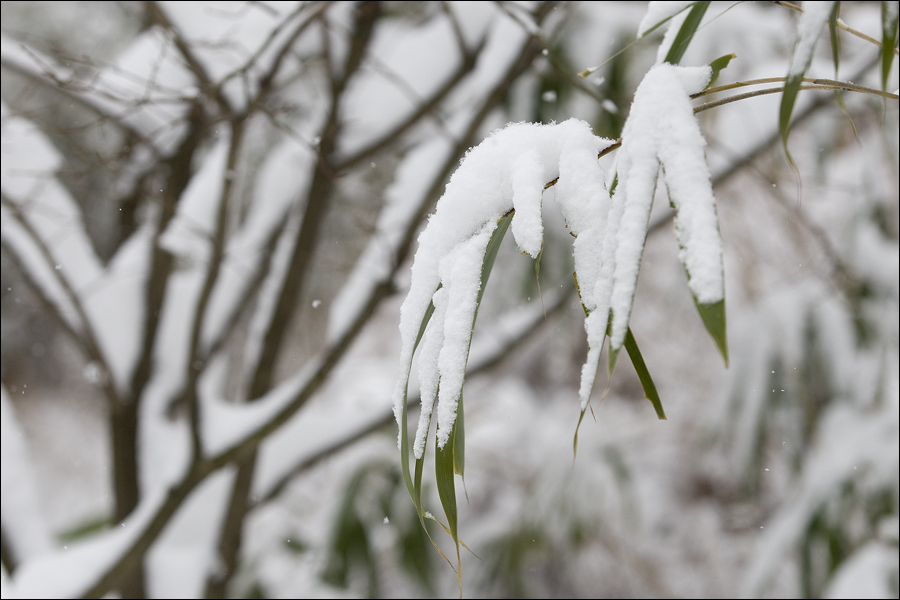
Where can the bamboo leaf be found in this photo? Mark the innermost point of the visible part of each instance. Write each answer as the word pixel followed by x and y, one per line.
pixel 613 355
pixel 788 99
pixel 446 485
pixel 717 66
pixel 490 255
pixel 414 490
pixel 795 79
pixel 835 40
pixel 643 374
pixel 661 23
pixel 889 21
pixel 459 441
pixel 686 33
pixel 713 316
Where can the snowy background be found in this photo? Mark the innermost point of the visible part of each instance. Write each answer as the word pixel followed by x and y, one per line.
pixel 210 213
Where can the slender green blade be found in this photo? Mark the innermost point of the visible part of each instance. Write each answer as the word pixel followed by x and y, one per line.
pixel 889 21
pixel 686 33
pixel 643 374
pixel 459 441
pixel 613 354
pixel 404 423
pixel 835 40
pixel 718 66
pixel 612 357
pixel 428 312
pixel 446 485
pixel 788 99
pixel 490 254
pixel 713 316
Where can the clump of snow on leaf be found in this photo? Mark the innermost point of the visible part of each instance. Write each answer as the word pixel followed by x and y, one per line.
pixel 661 130
pixel 507 171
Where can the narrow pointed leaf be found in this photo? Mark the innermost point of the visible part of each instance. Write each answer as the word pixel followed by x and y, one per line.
pixel 444 477
pixel 613 355
pixel 686 33
pixel 835 40
pixel 643 374
pixel 889 21
pixel 490 255
pixel 459 441
pixel 788 99
pixel 800 60
pixel 404 426
pixel 717 66
pixel 713 316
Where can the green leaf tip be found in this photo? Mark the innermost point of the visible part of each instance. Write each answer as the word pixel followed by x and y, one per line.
pixel 718 66
pixel 713 316
pixel 640 367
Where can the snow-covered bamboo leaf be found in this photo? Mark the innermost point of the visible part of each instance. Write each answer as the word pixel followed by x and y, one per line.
pixel 414 489
pixel 890 15
pixel 490 255
pixel 640 367
pixel 662 130
pixel 713 316
pixel 686 33
pixel 814 16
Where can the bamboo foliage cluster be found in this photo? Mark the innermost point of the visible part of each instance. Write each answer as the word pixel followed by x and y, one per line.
pixel 186 203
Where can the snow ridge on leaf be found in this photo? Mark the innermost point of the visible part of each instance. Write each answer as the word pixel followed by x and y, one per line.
pixel 661 130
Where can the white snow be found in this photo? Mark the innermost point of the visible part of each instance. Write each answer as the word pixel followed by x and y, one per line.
pixel 20 513
pixel 69 571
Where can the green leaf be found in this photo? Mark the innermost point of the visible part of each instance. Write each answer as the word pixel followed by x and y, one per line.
pixel 459 441
pixel 613 355
pixel 490 255
pixel 686 33
pixel 663 22
pixel 643 374
pixel 717 66
pixel 889 21
pixel 788 99
pixel 713 316
pixel 835 40
pixel 446 485
pixel 404 425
